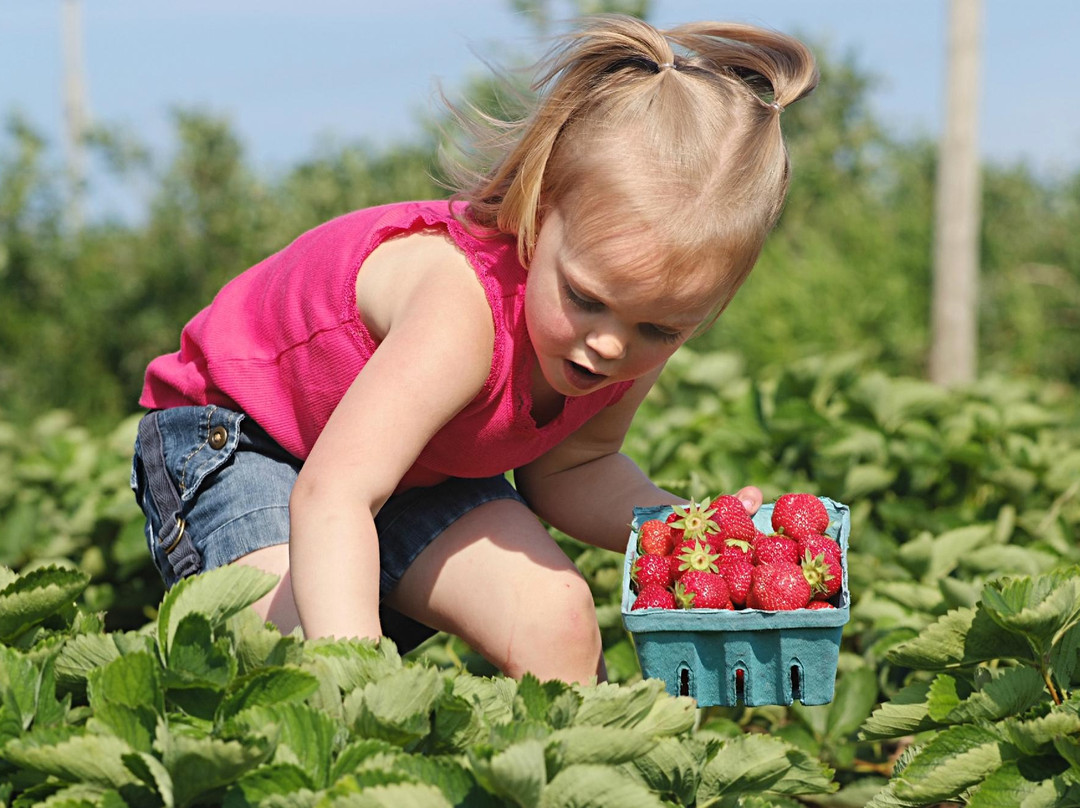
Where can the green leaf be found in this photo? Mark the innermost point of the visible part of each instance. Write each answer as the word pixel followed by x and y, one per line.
pixel 1027 783
pixel 953 760
pixel 991 560
pixel 84 653
pixel 952 546
pixel 148 770
pixel 535 697
pixel 18 686
pixel 356 754
pixel 305 736
pixel 1069 749
pixel 517 774
pixel 1065 654
pixel 907 713
pixel 198 661
pixel 672 767
pixel 493 697
pixel 605 745
pixel 216 594
pixel 133 680
pixel 1010 691
pixel 610 705
pixel 866 478
pixel 199 766
pixel 396 708
pixel 750 764
pixel 264 687
pixel 1039 608
pixel 393 795
pixel 272 780
pixel 35 595
pixel 1033 736
pixel 585 786
pixel 960 637
pixel 854 700
pixel 96 759
pixel 449 775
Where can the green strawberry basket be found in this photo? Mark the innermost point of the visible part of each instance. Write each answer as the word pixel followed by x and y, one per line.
pixel 750 656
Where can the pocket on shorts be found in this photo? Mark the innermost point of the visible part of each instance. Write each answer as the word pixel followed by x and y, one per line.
pixel 177 452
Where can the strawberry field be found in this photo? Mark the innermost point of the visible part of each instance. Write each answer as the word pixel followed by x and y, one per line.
pixel 954 681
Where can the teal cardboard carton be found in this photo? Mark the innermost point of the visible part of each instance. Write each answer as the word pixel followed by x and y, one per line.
pixel 750 657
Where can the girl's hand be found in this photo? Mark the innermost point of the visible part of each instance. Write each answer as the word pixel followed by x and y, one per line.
pixel 751 498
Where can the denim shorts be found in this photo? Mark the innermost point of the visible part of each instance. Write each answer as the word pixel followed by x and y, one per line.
pixel 214 487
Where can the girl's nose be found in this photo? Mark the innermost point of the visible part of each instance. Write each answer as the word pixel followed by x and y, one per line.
pixel 606 344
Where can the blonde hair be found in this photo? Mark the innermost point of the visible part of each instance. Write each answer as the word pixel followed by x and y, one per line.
pixel 682 125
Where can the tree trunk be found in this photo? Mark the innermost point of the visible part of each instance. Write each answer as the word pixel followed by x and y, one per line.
pixel 75 114
pixel 954 327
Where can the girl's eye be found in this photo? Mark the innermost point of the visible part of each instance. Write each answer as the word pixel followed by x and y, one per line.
pixel 660 334
pixel 582 303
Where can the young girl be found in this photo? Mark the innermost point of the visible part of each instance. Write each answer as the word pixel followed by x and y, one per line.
pixel 343 413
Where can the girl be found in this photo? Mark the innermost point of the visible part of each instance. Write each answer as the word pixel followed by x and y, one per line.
pixel 343 413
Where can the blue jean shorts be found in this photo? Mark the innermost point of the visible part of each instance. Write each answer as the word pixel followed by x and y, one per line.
pixel 214 487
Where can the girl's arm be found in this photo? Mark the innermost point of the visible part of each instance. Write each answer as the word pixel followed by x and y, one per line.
pixel 586 488
pixel 424 303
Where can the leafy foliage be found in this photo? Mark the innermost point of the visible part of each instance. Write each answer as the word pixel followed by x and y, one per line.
pixel 209 707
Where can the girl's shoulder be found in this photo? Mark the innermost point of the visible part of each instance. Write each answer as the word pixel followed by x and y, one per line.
pixel 410 271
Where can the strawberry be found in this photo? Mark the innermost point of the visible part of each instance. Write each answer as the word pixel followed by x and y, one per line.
pixel 816 545
pixel 691 521
pixel 654 538
pixel 654 597
pixel 823 573
pixel 798 515
pixel 651 569
pixel 732 519
pixel 734 550
pixel 699 589
pixel 738 575
pixel 819 604
pixel 775 547
pixel 779 586
pixel 699 557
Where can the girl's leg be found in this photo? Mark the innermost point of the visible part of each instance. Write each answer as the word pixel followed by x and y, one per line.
pixel 277 605
pixel 497 579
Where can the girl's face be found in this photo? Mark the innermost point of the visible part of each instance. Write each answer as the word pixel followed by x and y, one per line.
pixel 598 315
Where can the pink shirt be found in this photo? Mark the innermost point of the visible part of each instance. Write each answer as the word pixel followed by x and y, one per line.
pixel 283 341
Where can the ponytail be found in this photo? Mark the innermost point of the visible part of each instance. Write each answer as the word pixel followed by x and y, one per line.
pixel 701 99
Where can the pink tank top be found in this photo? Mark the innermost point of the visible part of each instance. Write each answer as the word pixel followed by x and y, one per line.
pixel 283 341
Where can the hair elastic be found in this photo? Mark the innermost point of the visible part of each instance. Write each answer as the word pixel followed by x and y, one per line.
pixel 776 105
pixel 664 66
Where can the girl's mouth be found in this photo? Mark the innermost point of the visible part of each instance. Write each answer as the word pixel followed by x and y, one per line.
pixel 580 377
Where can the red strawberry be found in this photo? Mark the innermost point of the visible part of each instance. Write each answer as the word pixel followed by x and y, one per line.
pixel 816 545
pixel 780 586
pixel 733 520
pixel 698 557
pixel 819 604
pixel 654 597
pixel 823 573
pixel 692 521
pixel 654 538
pixel 651 569
pixel 698 589
pixel 798 515
pixel 738 575
pixel 775 547
pixel 735 550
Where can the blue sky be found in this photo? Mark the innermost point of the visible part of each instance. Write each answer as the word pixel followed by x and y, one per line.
pixel 288 74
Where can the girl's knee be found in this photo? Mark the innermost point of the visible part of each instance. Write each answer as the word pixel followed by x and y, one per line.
pixel 560 637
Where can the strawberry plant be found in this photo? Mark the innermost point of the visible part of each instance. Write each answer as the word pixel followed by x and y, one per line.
pixel 989 717
pixel 208 706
